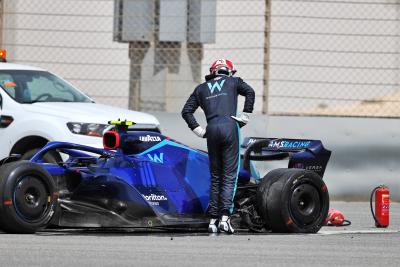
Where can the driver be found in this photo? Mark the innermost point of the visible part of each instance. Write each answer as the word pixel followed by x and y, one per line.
pixel 218 97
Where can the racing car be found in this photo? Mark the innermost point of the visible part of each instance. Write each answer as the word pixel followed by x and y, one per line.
pixel 146 180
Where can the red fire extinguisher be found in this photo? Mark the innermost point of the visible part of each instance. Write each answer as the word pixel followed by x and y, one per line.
pixel 382 200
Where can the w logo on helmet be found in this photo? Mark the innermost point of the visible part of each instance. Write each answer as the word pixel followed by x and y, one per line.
pixel 216 85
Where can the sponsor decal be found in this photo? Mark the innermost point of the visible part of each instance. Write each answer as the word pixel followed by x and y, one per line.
pixel 251 141
pixel 149 138
pixel 289 144
pixel 51 213
pixel 157 158
pixel 315 168
pixel 216 85
pixel 298 166
pixel 217 95
pixel 289 221
pixel 155 199
pixel 107 154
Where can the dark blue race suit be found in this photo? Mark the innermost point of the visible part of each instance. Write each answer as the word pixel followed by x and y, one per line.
pixel 218 98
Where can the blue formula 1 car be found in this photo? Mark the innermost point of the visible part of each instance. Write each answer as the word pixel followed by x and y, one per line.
pixel 147 180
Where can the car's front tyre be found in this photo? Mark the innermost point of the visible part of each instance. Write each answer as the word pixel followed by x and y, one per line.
pixel 28 197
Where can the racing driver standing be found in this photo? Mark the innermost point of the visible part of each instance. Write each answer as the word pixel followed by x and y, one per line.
pixel 218 97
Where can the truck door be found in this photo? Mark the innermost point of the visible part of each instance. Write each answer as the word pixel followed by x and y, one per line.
pixel 5 121
pixel 3 152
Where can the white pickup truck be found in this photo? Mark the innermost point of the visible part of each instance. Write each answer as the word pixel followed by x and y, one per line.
pixel 37 106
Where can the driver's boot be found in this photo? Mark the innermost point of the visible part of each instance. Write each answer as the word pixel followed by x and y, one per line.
pixel 225 225
pixel 213 226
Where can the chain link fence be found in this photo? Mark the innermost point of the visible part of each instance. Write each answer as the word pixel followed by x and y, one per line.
pixel 72 39
pixel 302 57
pixel 335 57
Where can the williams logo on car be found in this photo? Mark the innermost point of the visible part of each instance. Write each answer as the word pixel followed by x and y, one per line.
pixel 251 141
pixel 157 158
pixel 290 144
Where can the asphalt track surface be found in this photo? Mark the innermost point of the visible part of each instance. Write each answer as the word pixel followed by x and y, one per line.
pixel 360 244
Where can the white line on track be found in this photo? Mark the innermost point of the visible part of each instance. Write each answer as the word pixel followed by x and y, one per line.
pixel 375 231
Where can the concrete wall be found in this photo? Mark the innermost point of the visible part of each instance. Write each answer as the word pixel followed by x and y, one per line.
pixel 332 53
pixel 365 152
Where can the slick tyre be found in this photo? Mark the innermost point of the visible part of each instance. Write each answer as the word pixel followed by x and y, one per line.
pixel 28 197
pixel 293 201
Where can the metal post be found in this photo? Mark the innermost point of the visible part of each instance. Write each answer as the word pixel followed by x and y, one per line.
pixel 137 52
pixel 267 30
pixel 1 21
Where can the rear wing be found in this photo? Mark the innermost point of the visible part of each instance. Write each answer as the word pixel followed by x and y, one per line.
pixel 302 153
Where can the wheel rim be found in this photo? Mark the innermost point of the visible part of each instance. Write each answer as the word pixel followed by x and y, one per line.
pixel 305 204
pixel 31 198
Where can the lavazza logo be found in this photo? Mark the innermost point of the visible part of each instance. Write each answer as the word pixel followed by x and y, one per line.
pixel 149 138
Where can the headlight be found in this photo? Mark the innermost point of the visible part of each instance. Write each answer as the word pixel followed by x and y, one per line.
pixel 90 129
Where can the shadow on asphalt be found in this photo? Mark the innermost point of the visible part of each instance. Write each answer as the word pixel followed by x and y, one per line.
pixel 138 232
pixel 188 232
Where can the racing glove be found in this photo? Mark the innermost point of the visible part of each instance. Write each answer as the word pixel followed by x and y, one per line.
pixel 199 131
pixel 243 119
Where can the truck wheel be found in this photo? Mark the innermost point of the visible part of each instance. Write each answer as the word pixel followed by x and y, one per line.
pixel 28 197
pixel 293 201
pixel 50 157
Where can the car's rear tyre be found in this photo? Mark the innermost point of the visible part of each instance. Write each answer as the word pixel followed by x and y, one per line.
pixel 28 197
pixel 49 157
pixel 293 201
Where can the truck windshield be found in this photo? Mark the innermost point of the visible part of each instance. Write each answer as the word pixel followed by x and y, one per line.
pixel 29 86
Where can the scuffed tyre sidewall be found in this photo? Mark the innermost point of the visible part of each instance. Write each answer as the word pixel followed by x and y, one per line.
pixel 10 174
pixel 263 192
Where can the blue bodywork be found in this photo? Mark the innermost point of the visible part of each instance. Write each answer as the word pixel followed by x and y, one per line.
pixel 148 180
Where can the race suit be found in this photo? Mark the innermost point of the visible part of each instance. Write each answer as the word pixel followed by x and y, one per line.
pixel 218 98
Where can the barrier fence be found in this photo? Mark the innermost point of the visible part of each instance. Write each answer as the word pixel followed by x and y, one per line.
pixel 304 57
